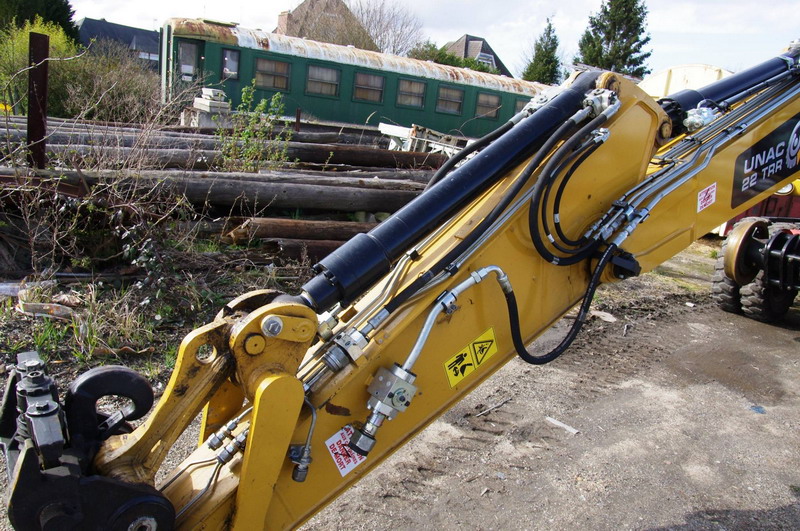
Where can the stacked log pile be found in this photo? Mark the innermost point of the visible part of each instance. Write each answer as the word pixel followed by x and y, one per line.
pixel 84 144
pixel 331 172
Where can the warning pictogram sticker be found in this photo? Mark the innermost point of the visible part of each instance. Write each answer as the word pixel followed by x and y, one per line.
pixel 469 358
pixel 706 197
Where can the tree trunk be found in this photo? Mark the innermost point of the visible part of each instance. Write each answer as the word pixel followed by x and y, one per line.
pixel 259 228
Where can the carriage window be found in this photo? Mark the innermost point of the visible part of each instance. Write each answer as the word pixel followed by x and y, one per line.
pixel 323 81
pixel 411 93
pixel 488 105
pixel 272 74
pixel 230 64
pixel 450 100
pixel 369 87
pixel 187 55
pixel 520 104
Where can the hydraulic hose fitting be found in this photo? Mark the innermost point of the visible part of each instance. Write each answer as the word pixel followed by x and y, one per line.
pixel 699 118
pixel 347 348
pixel 300 454
pixel 602 101
pixel 391 392
pixel 536 103
pixel 600 135
pixel 327 322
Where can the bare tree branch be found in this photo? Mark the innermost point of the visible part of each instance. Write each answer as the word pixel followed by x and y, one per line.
pixel 391 25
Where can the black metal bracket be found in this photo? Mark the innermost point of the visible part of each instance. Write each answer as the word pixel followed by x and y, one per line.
pixel 49 450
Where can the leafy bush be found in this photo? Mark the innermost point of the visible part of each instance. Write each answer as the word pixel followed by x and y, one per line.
pixel 14 60
pixel 257 136
pixel 106 82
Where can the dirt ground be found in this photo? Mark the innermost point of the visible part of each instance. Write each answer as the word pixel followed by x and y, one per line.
pixel 687 419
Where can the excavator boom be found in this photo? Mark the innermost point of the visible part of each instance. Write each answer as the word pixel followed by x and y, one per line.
pixel 303 395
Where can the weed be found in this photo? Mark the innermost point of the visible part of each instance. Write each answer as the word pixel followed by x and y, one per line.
pixel 150 368
pixel 49 336
pixel 170 357
pixel 17 347
pixel 112 322
pixel 6 308
pixel 256 137
pixel 714 254
pixel 207 246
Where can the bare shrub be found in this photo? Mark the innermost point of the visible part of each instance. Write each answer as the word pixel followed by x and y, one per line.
pixel 112 84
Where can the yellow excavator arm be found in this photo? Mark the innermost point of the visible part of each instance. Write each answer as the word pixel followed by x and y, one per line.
pixel 303 395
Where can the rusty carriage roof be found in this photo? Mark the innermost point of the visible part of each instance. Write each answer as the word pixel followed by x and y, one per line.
pixel 234 35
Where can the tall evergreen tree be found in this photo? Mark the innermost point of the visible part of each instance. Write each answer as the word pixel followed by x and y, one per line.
pixel 544 66
pixel 615 38
pixel 57 11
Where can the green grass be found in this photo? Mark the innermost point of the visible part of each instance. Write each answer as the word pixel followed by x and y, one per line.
pixel 50 335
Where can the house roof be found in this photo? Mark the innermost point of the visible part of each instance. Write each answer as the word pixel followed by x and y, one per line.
pixel 326 20
pixel 471 46
pixel 135 38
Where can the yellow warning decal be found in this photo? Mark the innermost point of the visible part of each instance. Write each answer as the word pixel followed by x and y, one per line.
pixel 470 357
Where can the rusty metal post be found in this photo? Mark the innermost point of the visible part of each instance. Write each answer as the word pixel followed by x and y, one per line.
pixel 37 99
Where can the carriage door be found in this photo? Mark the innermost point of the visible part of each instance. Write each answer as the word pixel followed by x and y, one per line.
pixel 190 56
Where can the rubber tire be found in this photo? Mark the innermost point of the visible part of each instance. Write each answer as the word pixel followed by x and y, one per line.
pixel 725 290
pixel 763 302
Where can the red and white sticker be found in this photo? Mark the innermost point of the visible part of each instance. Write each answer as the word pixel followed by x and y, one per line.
pixel 707 197
pixel 344 458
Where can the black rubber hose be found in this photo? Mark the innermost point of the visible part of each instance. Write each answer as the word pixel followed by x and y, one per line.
pixel 583 312
pixel 581 154
pixel 539 188
pixel 461 155
pixel 560 193
pixel 476 233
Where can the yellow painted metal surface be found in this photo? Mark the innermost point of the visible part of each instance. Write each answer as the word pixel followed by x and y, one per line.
pixel 276 407
pixel 200 368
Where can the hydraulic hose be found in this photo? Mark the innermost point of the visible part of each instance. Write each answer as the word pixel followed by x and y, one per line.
pixel 583 313
pixel 538 191
pixel 475 234
pixel 349 271
pixel 462 154
pixel 581 154
pixel 559 194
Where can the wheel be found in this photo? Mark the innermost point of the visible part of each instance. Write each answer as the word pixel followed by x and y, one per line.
pixel 725 291
pixel 761 301
pixel 739 266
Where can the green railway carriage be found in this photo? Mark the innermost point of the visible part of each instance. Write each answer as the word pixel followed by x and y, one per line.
pixel 340 83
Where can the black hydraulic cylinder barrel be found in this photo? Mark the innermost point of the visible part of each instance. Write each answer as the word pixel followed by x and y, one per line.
pixel 348 271
pixel 677 104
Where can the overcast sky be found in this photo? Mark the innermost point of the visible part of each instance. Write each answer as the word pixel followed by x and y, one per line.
pixel 733 34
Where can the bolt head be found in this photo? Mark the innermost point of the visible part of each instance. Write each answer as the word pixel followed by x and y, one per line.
pixel 34 365
pixel 361 443
pixel 272 326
